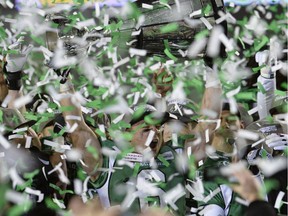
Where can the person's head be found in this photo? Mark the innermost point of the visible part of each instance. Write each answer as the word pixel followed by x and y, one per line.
pixel 225 135
pixel 142 133
pixel 180 122
pixel 230 122
pixel 163 81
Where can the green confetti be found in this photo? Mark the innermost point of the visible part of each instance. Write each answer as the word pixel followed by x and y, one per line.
pixel 171 27
pixel 38 40
pixel 202 34
pixel 66 108
pixel 280 93
pixel 3 34
pixel 261 88
pixel 52 205
pixel 19 209
pixel 1 116
pixel 192 168
pixel 207 10
pixel 93 151
pixel 271 184
pixel 261 43
pixel 284 85
pixel 100 133
pixel 256 69
pixel 246 96
pixel 31 175
pixel 170 55
pixel 163 160
pixel 242 43
pixel 136 169
pixel 61 192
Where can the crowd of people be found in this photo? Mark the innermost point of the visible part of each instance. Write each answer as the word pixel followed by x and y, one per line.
pixel 68 150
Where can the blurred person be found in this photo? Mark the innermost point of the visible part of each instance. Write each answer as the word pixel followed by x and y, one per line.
pixel 220 155
pixel 250 189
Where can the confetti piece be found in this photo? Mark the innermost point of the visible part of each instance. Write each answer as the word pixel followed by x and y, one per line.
pixel 150 137
pixel 241 201
pixel 173 195
pixel 4 142
pixel 147 6
pixel 169 28
pixel 279 199
pixel 270 167
pixel 135 33
pixel 35 192
pixel 195 13
pixel 28 141
pixel 15 197
pixel 248 134
pixel 196 47
pixel 16 179
pixel 22 101
pixel 213 46
pixel 206 23
pixel 137 52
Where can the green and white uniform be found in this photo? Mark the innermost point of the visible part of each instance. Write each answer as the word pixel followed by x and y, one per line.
pixel 223 203
pixel 135 184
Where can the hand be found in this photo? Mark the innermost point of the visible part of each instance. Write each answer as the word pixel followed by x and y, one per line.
pixel 248 188
pixel 163 81
pixel 268 58
pixel 277 141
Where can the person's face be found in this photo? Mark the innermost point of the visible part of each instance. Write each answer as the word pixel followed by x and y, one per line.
pixel 229 124
pixel 177 127
pixel 141 132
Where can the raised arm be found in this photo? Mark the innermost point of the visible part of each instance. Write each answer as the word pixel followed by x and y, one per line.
pixel 81 135
pixel 210 109
pixel 267 79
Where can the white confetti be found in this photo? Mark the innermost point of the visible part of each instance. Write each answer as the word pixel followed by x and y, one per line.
pixel 227 43
pixel 248 134
pixel 206 23
pixel 28 142
pixel 15 136
pixel 20 130
pixel 137 52
pixel 147 6
pixel 279 199
pixel 135 33
pixel 10 4
pixel 4 142
pixel 213 46
pixel 77 186
pixel 35 192
pixel 196 47
pixel 150 137
pixel 22 101
pixel 16 179
pixel 97 9
pixel 270 167
pixel 85 23
pixel 73 117
pixel 195 13
pixel 15 197
pixel 173 195
pixel 121 62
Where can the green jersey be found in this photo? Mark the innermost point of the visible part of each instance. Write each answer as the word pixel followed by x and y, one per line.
pixel 129 180
pixel 220 200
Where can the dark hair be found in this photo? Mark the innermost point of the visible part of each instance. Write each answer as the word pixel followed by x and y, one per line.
pixel 226 106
